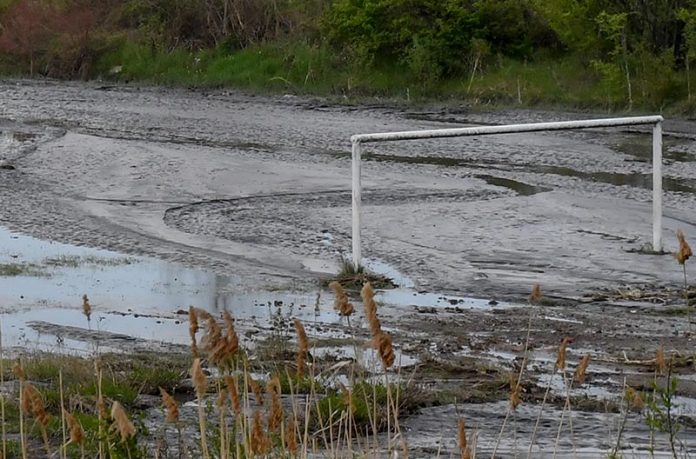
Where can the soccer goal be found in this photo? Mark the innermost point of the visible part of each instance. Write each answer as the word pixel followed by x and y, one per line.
pixel 656 121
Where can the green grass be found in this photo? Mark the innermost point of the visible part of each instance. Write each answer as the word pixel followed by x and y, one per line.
pixel 351 278
pixel 301 68
pixel 22 269
pixel 75 261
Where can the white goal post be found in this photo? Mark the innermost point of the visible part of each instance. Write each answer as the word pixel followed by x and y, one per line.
pixel 655 121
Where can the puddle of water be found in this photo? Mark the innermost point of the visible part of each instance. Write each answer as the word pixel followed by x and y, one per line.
pixel 633 179
pixel 124 290
pixel 641 148
pixel 146 299
pixel 407 297
pixel 521 188
pixel 385 269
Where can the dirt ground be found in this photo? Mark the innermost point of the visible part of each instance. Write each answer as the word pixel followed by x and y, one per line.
pixel 256 191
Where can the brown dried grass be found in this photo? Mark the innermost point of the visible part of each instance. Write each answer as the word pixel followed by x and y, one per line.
pixel 302 348
pixel 255 388
pixel 200 382
pixel 121 424
pixel 275 415
pixel 341 303
pixel 581 370
pixel 535 296
pixel 464 448
pixel 171 407
pixel 684 252
pixel 259 440
pixel 233 392
pixel 193 329
pixel 86 308
pixel 77 433
pixel 561 359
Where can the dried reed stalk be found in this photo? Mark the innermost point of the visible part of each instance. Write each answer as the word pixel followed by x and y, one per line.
pixel 193 329
pixel 259 440
pixel 341 303
pixel 233 392
pixel 33 404
pixel 18 371
pixel 515 391
pixel 464 448
pixel 383 343
pixel 634 399
pixel 256 389
pixel 171 407
pixel 291 444
pixel 302 348
pixel 121 423
pixel 660 363
pixel 77 433
pixel 368 296
pixel 684 252
pixel 535 296
pixel 581 370
pixel 200 382
pixel 231 337
pixel 275 416
pixel 86 308
pixel 561 359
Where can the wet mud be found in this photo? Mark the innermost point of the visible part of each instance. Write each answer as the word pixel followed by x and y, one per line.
pixel 149 200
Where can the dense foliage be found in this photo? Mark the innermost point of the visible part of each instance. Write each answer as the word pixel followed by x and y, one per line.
pixel 627 50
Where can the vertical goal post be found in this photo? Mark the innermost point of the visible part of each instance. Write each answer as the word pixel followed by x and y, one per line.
pixel 656 121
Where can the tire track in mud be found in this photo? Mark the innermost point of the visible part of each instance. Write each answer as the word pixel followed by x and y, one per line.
pixel 301 222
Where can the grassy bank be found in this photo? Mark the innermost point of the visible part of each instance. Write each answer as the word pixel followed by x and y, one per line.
pixel 305 69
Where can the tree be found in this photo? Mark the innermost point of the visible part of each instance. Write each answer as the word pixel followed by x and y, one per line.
pixel 26 30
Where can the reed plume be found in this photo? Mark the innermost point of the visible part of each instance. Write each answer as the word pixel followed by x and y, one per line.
pixel 535 296
pixel 193 329
pixel 256 389
pixel 170 406
pixel 634 399
pixel 341 303
pixel 291 443
pixel 275 416
pixel 77 434
pixel 231 337
pixel 684 252
pixel 18 371
pixel 33 404
pixel 302 348
pixel 660 363
pixel 259 440
pixel 368 296
pixel 581 370
pixel 515 391
pixel 383 343
pixel 86 308
pixel 233 392
pixel 200 382
pixel 102 412
pixel 561 359
pixel 463 444
pixel 121 424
